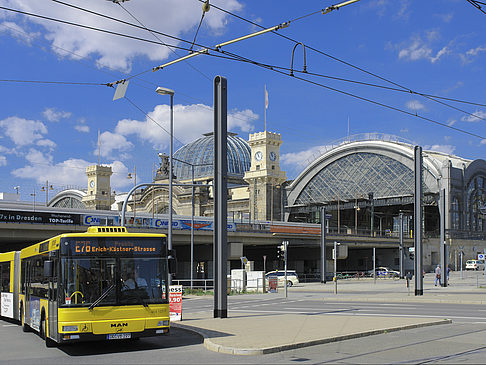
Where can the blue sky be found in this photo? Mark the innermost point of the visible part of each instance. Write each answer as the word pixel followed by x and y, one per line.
pixel 50 131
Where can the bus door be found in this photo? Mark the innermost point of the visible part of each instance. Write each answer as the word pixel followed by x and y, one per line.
pixel 52 297
pixel 26 266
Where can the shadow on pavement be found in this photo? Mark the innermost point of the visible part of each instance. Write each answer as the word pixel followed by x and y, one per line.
pixel 177 338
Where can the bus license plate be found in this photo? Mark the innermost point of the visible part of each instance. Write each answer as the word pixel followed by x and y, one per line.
pixel 119 336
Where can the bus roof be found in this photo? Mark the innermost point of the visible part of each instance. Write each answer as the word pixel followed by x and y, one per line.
pixel 7 256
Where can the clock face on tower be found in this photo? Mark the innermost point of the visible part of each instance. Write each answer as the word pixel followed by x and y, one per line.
pixel 273 156
pixel 258 155
pixel 92 183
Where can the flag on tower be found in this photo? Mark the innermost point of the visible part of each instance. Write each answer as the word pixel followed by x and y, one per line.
pixel 266 97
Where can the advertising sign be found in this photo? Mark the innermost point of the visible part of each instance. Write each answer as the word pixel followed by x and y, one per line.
pixel 6 302
pixel 38 217
pixel 97 220
pixel 175 302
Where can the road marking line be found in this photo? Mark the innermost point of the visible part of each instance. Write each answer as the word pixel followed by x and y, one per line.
pixel 9 325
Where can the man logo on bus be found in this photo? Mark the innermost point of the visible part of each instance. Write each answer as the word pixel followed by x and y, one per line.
pixel 117 325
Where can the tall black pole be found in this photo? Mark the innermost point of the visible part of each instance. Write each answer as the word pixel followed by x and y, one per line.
pixel 419 280
pixel 443 248
pixel 220 198
pixel 323 245
pixel 402 274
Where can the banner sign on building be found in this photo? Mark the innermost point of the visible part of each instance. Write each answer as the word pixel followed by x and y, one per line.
pixel 39 217
pixel 175 302
pixel 98 220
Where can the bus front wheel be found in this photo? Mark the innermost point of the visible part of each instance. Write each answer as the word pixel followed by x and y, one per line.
pixel 43 334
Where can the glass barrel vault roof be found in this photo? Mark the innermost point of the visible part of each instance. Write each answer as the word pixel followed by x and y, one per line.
pixel 200 154
pixel 356 175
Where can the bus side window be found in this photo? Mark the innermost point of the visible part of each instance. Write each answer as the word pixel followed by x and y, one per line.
pixel 23 275
pixel 5 277
pixel 39 284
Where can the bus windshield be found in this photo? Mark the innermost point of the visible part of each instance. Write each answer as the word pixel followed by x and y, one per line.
pixel 112 271
pixel 128 280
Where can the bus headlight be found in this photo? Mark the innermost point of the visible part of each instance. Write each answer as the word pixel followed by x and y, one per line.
pixel 163 323
pixel 69 328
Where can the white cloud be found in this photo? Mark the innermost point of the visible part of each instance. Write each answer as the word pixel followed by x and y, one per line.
pixel 475 51
pixel 18 32
pixel 112 142
pixel 470 54
pixel 446 18
pixel 46 143
pixel 3 160
pixel 418 49
pixel 415 105
pixel 70 172
pixel 301 159
pixel 22 131
pixel 82 128
pixel 479 115
pixel 449 149
pixel 190 122
pixel 53 115
pixel 173 17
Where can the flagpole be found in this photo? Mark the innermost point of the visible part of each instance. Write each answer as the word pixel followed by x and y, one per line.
pixel 266 106
pixel 99 148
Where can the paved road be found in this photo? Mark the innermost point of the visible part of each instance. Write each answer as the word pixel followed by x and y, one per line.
pixel 459 342
pixel 315 304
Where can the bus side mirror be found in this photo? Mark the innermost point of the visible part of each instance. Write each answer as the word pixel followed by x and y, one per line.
pixel 48 266
pixel 172 262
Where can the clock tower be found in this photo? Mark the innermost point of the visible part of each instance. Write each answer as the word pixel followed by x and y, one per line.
pixel 265 177
pixel 99 189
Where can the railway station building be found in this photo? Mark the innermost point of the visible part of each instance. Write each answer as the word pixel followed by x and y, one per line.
pixel 365 183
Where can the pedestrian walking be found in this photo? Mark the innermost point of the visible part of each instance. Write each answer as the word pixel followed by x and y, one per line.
pixel 437 275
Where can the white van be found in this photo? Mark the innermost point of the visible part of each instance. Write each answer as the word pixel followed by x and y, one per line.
pixel 475 265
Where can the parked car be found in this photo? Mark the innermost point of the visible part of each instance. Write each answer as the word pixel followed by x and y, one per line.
pixel 384 272
pixel 475 265
pixel 292 277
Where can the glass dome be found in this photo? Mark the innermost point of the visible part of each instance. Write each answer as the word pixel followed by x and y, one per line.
pixel 200 154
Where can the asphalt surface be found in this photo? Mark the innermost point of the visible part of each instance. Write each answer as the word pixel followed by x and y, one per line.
pixel 366 322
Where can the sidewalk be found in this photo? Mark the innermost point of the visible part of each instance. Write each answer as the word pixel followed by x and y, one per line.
pixel 471 289
pixel 257 334
pixel 244 333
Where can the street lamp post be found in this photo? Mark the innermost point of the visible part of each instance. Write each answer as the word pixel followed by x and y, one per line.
pixel 129 176
pixel 165 91
pixel 46 188
pixel 33 195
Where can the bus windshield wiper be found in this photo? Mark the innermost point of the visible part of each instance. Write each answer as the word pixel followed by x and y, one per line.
pixel 103 296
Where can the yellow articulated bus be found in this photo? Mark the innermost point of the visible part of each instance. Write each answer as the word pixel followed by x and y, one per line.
pixel 102 284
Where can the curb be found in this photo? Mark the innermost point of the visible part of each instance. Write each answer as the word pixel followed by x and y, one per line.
pixel 210 345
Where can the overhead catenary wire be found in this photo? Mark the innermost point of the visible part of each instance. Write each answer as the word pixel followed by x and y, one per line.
pixel 428 96
pixel 477 4
pixel 256 63
pixel 154 32
pixel 155 35
pixel 55 82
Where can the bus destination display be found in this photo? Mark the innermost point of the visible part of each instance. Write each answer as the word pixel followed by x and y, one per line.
pixel 83 246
